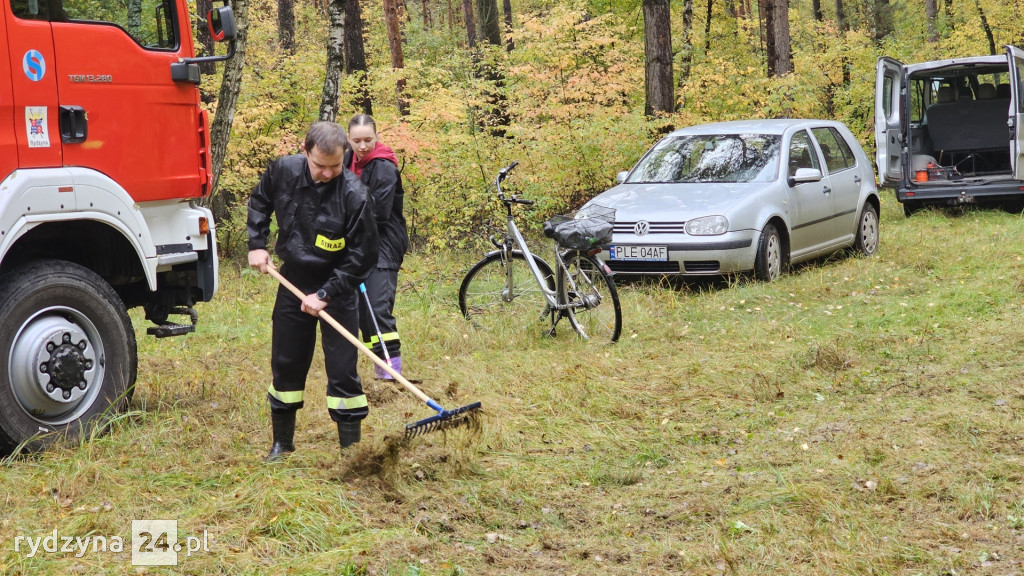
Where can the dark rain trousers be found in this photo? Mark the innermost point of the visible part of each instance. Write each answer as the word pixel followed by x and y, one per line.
pixel 294 339
pixel 381 286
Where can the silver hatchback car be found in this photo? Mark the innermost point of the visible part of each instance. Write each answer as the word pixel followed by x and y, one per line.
pixel 732 197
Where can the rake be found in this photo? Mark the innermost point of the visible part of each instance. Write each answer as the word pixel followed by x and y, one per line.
pixel 443 420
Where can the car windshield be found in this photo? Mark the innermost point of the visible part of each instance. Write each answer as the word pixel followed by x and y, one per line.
pixel 711 158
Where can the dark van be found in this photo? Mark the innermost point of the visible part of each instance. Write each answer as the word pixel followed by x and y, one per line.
pixel 948 132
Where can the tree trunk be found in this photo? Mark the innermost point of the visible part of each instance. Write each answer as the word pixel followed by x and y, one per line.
pixel 986 28
pixel 134 17
pixel 931 11
pixel 355 54
pixel 427 21
pixel 490 30
pixel 816 10
pixel 230 88
pixel 947 7
pixel 780 22
pixel 335 61
pixel 507 7
pixel 286 24
pixel 658 57
pixel 882 20
pixel 451 17
pixel 841 23
pixel 467 9
pixel 765 9
pixel 686 50
pixel 203 36
pixel 707 30
pixel 393 22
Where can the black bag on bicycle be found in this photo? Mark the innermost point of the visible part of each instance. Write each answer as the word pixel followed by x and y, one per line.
pixel 588 228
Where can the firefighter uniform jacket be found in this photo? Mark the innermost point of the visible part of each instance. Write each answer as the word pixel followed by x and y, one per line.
pixel 325 229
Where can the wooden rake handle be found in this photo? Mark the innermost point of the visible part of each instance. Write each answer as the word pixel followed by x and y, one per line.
pixel 355 341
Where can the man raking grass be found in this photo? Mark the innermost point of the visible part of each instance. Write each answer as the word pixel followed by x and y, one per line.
pixel 443 420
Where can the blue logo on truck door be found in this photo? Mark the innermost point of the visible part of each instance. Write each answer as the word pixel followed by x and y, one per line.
pixel 34 65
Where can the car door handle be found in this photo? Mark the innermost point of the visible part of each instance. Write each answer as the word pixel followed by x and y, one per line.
pixel 827 190
pixel 856 180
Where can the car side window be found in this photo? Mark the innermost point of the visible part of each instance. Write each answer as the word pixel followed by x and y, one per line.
pixel 838 155
pixel 802 153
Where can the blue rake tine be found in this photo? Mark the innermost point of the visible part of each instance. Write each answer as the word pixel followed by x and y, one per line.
pixel 443 420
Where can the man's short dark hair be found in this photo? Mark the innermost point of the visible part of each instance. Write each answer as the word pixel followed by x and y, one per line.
pixel 328 137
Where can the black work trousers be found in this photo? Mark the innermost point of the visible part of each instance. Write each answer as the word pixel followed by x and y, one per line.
pixel 294 339
pixel 381 286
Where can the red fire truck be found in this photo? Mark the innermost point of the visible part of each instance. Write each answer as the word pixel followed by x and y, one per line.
pixel 104 153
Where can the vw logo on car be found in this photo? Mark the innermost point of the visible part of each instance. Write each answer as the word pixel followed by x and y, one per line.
pixel 641 228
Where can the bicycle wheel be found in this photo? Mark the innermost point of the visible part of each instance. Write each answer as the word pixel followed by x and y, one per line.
pixel 497 294
pixel 595 311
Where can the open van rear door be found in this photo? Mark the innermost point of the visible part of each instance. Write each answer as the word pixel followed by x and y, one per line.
pixel 888 108
pixel 1016 120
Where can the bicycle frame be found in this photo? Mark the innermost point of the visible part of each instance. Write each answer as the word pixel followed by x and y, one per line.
pixel 571 286
pixel 513 235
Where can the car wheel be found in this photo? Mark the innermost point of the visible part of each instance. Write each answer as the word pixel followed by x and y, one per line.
pixel 867 231
pixel 770 260
pixel 67 353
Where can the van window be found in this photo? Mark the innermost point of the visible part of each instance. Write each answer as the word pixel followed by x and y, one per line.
pixel 1020 86
pixel 922 93
pixel 149 22
pixel 887 83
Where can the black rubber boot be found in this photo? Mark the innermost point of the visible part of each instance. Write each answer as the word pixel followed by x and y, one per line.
pixel 284 434
pixel 349 433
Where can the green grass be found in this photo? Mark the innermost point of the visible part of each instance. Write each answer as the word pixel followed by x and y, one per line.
pixel 859 416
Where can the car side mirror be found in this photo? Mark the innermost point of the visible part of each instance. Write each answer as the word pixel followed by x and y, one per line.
pixel 621 177
pixel 804 175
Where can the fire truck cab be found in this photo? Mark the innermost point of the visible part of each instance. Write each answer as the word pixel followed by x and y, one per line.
pixel 104 157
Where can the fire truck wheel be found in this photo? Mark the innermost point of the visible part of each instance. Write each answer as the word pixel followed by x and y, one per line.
pixel 67 353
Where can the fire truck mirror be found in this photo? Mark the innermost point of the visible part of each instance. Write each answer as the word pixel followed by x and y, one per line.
pixel 222 24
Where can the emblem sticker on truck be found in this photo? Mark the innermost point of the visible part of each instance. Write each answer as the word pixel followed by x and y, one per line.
pixel 34 65
pixel 35 127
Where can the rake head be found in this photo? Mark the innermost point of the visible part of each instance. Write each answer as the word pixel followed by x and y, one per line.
pixel 445 420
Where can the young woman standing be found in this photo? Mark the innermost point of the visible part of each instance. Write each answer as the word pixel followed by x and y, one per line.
pixel 376 165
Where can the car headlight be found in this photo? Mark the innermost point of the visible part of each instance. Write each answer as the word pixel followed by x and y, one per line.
pixel 707 226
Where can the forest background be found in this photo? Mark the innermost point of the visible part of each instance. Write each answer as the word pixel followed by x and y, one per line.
pixel 571 89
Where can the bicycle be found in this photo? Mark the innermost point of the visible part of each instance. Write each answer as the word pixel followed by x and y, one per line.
pixel 513 286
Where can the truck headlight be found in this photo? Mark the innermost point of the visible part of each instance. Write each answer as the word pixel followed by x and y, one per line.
pixel 707 226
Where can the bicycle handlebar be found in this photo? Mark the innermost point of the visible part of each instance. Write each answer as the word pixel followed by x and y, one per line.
pixel 504 171
pixel 502 174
